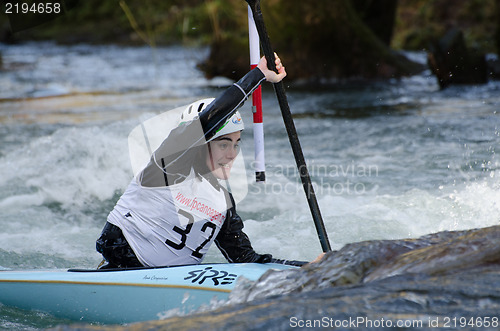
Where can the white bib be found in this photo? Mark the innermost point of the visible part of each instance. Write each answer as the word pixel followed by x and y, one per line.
pixel 171 225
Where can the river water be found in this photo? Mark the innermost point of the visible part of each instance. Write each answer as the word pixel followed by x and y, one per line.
pixel 389 160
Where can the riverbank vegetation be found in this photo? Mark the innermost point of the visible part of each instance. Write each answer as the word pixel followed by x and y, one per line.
pixel 320 40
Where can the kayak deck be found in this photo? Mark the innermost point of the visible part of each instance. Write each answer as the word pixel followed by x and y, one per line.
pixel 124 296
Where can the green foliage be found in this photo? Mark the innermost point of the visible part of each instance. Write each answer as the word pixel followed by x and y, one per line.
pixel 204 21
pixel 317 39
pixel 155 22
pixel 418 22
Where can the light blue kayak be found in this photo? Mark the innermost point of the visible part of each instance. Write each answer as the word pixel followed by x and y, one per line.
pixel 124 296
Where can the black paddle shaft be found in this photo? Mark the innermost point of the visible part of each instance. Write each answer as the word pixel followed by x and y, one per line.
pixel 290 126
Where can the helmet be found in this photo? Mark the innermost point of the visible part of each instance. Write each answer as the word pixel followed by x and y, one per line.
pixel 192 110
pixel 233 124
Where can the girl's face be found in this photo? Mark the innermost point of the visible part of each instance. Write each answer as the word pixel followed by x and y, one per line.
pixel 221 153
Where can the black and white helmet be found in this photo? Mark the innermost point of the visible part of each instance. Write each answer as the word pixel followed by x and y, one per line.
pixel 233 124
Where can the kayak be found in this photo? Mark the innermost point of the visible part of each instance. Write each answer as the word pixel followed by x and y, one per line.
pixel 123 296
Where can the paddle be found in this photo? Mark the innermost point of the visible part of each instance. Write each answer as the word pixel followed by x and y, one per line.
pixel 290 126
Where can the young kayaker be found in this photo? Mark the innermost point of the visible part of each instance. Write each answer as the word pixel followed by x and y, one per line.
pixel 176 208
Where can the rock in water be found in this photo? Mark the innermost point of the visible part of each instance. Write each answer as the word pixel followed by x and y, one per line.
pixel 470 250
pixel 453 63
